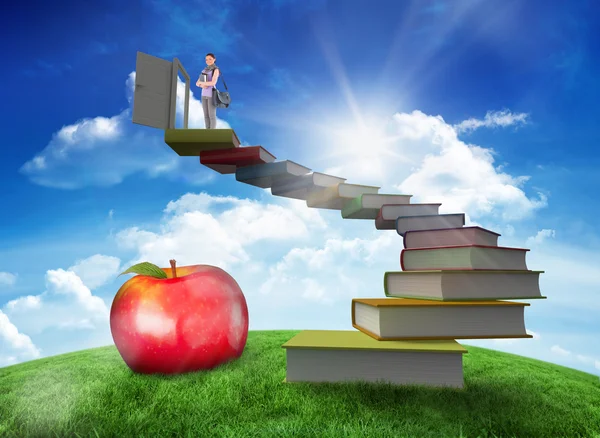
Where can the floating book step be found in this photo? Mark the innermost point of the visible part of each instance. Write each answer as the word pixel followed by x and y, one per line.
pixel 368 205
pixel 410 223
pixel 450 237
pixel 190 142
pixel 336 197
pixel 300 187
pixel 464 257
pixel 339 356
pixel 226 161
pixel 265 175
pixel 387 215
pixel 456 285
pixel 393 319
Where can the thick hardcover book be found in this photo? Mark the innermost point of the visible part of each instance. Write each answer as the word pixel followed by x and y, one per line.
pixel 336 197
pixel 466 284
pixel 342 356
pixel 300 187
pixel 386 319
pixel 387 214
pixel 464 257
pixel 265 175
pixel 410 223
pixel 368 205
pixel 450 237
pixel 190 142
pixel 227 161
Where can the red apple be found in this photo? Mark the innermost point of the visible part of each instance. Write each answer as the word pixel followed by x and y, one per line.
pixel 178 319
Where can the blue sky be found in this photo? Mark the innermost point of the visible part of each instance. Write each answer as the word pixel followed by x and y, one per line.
pixel 487 107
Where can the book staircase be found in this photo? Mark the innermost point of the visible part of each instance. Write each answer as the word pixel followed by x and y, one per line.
pixel 453 283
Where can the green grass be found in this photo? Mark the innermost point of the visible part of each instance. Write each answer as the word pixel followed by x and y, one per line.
pixel 93 393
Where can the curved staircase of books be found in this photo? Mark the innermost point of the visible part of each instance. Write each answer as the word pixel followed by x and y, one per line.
pixel 452 283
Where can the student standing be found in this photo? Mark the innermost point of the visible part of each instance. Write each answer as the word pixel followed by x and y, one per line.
pixel 211 76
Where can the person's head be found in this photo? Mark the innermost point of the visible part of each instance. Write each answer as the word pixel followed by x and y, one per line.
pixel 210 59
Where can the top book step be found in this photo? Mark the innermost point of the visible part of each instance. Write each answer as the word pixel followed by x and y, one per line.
pixel 190 142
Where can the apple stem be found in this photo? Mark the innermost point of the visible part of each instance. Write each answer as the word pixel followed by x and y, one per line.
pixel 173 268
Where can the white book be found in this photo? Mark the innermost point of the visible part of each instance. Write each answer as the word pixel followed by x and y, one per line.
pixel 386 319
pixel 335 197
pixel 368 205
pixel 454 285
pixel 387 215
pixel 302 186
pixel 450 237
pixel 404 224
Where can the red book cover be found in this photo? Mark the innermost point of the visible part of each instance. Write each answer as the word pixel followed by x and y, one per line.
pixel 226 161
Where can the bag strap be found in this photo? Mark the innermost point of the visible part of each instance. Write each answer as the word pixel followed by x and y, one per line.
pixel 224 83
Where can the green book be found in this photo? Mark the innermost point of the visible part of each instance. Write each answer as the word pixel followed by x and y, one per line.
pixel 190 142
pixel 337 196
pixel 367 205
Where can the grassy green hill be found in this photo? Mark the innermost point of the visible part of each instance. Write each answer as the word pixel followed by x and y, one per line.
pixel 93 393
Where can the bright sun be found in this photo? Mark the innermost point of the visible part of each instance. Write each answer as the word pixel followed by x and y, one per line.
pixel 368 141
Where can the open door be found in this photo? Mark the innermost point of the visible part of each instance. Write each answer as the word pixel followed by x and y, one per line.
pixel 155 93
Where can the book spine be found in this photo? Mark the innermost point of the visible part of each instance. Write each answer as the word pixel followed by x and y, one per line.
pixel 352 206
pixel 367 332
pixel 466 246
pixel 402 259
pixel 385 283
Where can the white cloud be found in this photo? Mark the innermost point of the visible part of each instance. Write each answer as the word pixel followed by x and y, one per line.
pixel 96 270
pixel 557 349
pixel 587 360
pixel 540 237
pixel 16 346
pixel 421 155
pixel 25 303
pixel 7 279
pixel 493 119
pixel 66 302
pixel 461 176
pixel 195 231
pixel 327 274
pixel 84 153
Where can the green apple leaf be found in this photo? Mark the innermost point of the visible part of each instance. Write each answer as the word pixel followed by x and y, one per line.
pixel 146 268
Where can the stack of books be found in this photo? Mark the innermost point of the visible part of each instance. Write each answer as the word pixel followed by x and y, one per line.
pixel 453 281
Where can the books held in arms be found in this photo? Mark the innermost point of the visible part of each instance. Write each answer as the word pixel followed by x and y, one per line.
pixel 463 257
pixel 463 284
pixel 407 319
pixel 336 356
pixel 203 77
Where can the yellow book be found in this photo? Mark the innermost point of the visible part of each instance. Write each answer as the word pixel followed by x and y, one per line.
pixel 338 356
pixel 190 142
